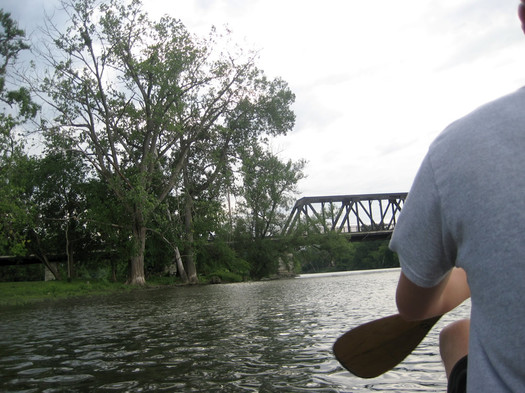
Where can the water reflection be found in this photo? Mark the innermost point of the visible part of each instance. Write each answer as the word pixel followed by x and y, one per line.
pixel 251 337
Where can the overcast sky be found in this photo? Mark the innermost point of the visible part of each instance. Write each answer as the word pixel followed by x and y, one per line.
pixel 375 81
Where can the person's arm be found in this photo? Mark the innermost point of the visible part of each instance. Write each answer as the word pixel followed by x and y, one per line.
pixel 417 303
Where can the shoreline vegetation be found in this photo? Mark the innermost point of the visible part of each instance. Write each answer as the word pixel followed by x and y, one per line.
pixel 22 293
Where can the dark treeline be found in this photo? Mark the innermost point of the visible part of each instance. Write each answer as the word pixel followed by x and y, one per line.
pixel 153 155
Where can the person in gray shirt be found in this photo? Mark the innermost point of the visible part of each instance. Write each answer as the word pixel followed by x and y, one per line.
pixel 461 234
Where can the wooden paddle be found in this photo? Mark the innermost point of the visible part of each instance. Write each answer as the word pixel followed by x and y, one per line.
pixel 376 347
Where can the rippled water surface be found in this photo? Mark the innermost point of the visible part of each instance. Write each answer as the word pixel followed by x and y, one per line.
pixel 273 336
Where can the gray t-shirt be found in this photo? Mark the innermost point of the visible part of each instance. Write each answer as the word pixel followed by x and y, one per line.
pixel 466 208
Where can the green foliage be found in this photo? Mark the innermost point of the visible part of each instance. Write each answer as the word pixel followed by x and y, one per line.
pixel 157 256
pixel 17 212
pixel 269 185
pixel 14 210
pixel 333 252
pixel 18 273
pixel 218 259
pixel 223 275
pixel 262 255
pixel 19 293
pixel 328 252
pixel 375 254
pixel 12 42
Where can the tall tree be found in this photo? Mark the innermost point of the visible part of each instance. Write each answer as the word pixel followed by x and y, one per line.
pixel 58 194
pixel 134 96
pixel 16 107
pixel 18 98
pixel 269 185
pixel 208 171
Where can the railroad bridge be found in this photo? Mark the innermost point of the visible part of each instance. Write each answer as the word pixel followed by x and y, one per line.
pixel 362 217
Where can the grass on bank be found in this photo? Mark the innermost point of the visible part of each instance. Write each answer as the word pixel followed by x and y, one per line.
pixel 18 293
pixel 26 292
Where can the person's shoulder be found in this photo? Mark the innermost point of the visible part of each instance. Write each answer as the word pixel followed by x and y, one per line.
pixel 486 119
pixel 510 105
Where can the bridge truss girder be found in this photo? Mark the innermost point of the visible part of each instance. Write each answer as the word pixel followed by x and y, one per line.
pixel 360 216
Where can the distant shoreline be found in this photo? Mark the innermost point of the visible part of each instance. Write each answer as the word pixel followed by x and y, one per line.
pixel 347 272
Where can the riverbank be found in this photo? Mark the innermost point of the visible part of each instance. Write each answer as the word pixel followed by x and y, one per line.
pixel 20 293
pixel 26 292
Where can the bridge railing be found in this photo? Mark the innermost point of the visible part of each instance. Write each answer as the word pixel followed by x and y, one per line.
pixel 365 214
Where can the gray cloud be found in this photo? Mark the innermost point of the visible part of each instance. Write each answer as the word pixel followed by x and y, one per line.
pixel 478 29
pixel 30 14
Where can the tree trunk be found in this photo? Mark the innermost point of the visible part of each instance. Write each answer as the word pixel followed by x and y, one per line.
pixel 180 266
pixel 113 270
pixel 137 276
pixel 52 267
pixel 178 259
pixel 43 257
pixel 69 254
pixel 189 258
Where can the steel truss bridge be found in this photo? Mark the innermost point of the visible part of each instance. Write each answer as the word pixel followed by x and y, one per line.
pixel 361 217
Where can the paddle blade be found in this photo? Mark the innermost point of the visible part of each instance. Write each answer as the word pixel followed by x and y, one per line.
pixel 376 347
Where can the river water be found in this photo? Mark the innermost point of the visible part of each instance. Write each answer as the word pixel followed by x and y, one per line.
pixel 273 336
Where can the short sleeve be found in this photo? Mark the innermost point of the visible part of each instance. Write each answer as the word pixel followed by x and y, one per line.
pixel 421 239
